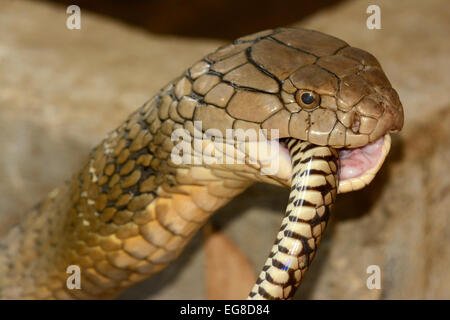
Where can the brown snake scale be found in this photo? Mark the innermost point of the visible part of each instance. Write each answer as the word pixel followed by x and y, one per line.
pixel 131 210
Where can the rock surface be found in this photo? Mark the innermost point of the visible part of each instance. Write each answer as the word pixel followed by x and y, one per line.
pixel 62 90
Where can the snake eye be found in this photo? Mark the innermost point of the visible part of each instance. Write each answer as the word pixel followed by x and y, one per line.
pixel 307 99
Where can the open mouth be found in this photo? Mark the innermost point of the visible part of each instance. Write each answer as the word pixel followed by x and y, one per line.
pixel 357 166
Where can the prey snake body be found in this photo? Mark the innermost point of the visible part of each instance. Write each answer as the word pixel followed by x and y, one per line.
pixel 131 209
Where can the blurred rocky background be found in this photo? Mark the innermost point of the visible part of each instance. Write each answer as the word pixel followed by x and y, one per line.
pixel 218 19
pixel 61 90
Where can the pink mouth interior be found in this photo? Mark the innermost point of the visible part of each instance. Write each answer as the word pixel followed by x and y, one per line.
pixel 355 162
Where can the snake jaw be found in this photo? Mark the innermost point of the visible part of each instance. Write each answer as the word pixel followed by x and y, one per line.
pixel 359 166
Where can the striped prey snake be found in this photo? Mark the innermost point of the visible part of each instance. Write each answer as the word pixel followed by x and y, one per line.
pixel 132 208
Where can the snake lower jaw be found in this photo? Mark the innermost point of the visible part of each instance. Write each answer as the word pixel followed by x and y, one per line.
pixel 357 166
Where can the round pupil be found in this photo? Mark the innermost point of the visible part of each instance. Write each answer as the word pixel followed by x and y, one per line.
pixel 307 98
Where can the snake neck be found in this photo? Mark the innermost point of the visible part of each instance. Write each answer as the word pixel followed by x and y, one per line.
pixel 123 217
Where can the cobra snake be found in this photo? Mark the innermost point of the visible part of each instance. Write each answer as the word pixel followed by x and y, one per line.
pixel 131 209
